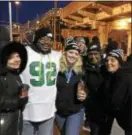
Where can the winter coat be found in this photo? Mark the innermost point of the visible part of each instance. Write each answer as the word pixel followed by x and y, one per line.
pixel 66 101
pixel 115 96
pixel 11 104
pixel 93 79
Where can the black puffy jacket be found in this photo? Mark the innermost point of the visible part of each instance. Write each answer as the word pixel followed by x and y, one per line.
pixel 115 96
pixel 11 104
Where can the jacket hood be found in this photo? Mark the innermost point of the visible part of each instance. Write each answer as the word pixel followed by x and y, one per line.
pixel 10 48
pixel 77 68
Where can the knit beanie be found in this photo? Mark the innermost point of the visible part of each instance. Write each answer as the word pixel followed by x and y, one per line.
pixel 118 54
pixel 94 47
pixel 42 33
pixel 70 44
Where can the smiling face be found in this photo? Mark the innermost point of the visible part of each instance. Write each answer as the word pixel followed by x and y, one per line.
pixel 45 43
pixel 72 56
pixel 81 46
pixel 94 57
pixel 14 61
pixel 112 64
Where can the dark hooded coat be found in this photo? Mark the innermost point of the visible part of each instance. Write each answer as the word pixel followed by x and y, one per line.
pixel 115 96
pixel 93 79
pixel 11 104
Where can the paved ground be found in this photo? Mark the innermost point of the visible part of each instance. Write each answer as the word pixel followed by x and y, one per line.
pixel 116 130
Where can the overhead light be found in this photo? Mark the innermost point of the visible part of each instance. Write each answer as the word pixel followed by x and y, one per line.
pixel 37 22
pixel 129 20
pixel 17 2
pixel 123 24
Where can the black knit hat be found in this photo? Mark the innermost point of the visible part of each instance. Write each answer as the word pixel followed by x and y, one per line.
pixel 8 49
pixel 94 47
pixel 112 45
pixel 42 33
pixel 70 44
pixel 118 54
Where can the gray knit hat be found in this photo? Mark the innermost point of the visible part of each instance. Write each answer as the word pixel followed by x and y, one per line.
pixel 70 44
pixel 118 54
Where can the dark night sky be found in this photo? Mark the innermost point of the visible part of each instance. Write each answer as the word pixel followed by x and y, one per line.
pixel 28 10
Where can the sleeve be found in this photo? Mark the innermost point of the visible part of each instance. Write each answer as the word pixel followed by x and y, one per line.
pixel 7 103
pixel 23 96
pixel 121 94
pixel 23 102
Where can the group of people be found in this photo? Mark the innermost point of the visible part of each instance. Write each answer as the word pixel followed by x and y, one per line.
pixel 40 86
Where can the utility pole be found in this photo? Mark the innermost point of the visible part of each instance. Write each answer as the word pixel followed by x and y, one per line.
pixel 17 4
pixel 10 19
pixel 55 14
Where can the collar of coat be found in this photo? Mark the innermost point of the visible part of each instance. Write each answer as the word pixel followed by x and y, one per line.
pixel 4 71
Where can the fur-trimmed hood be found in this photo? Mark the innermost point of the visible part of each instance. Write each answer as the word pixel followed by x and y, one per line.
pixel 77 68
pixel 10 48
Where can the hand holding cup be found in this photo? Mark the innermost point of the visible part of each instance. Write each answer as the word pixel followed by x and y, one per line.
pixel 24 91
pixel 81 93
